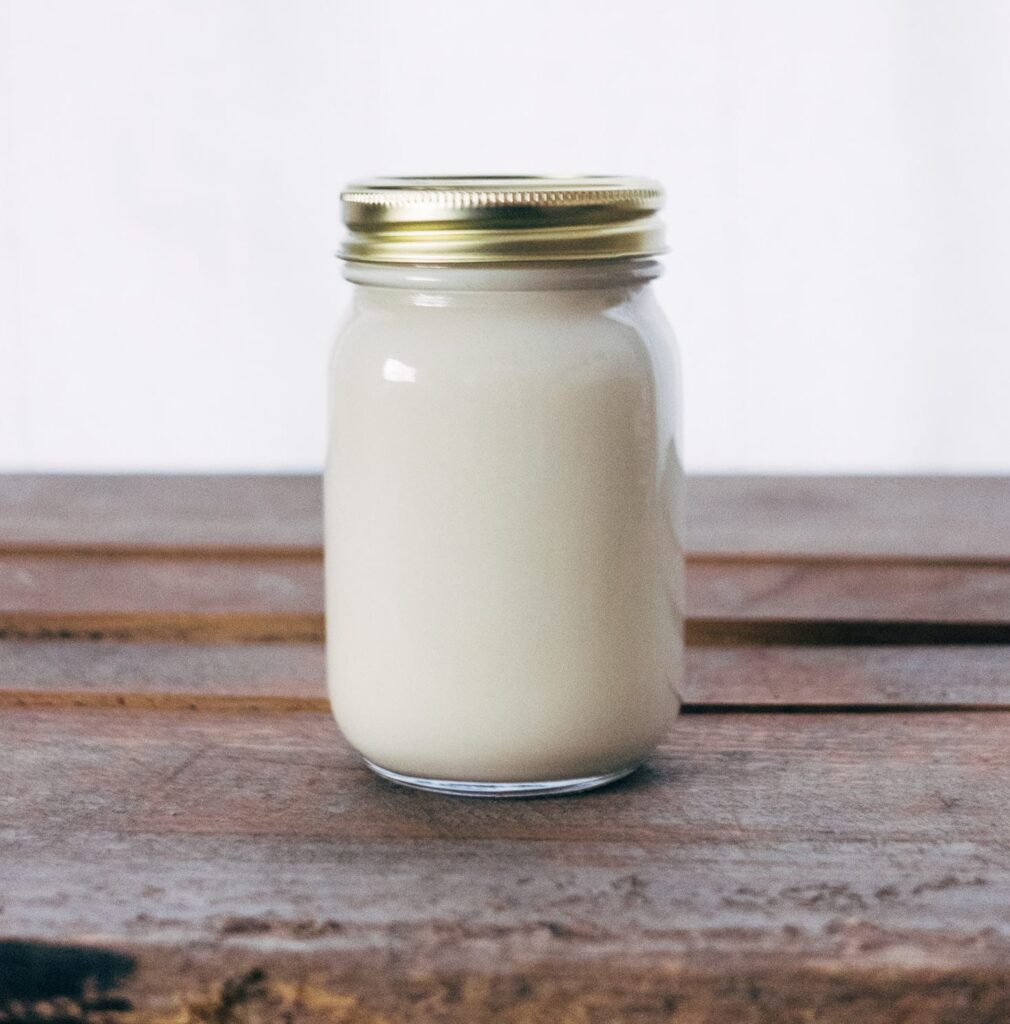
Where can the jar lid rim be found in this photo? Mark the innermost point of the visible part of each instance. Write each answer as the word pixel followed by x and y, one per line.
pixel 502 218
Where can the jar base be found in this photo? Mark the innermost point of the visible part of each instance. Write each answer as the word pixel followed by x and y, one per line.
pixel 459 787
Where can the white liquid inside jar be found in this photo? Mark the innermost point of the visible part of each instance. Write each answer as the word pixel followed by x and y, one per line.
pixel 503 494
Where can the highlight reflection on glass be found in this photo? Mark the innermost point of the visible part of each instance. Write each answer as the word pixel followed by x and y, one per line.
pixel 398 373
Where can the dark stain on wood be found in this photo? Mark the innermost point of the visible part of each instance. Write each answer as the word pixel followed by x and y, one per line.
pixel 48 981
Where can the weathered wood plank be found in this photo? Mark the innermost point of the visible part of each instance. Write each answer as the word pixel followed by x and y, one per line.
pixel 276 597
pixel 237 676
pixel 785 589
pixel 291 676
pixel 757 856
pixel 888 517
pixel 161 596
pixel 871 516
pixel 145 983
pixel 848 677
pixel 219 513
pixel 718 777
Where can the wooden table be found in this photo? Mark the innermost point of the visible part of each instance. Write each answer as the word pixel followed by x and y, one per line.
pixel 824 836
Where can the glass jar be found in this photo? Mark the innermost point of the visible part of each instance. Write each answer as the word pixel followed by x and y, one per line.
pixel 503 487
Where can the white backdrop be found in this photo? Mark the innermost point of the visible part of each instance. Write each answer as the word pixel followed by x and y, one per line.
pixel 839 210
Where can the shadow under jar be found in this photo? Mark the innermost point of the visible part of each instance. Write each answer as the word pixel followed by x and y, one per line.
pixel 503 487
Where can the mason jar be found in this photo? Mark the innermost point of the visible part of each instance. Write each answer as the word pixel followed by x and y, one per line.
pixel 503 486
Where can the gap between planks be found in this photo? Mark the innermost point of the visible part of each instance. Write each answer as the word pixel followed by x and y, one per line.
pixel 275 628
pixel 313 554
pixel 218 704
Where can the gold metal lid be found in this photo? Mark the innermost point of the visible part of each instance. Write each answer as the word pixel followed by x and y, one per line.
pixel 501 219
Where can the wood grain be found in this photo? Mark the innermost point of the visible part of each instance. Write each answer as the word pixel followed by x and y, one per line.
pixel 933 518
pixel 186 839
pixel 849 677
pixel 784 589
pixel 200 513
pixel 249 677
pixel 954 518
pixel 148 983
pixel 763 860
pixel 281 597
pixel 262 677
pixel 161 596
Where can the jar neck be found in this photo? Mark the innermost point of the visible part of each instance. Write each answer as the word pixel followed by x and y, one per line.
pixel 541 277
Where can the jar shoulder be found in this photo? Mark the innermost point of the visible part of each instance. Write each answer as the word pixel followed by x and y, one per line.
pixel 629 337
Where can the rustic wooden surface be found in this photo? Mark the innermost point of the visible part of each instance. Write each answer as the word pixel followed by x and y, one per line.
pixel 848 517
pixel 824 836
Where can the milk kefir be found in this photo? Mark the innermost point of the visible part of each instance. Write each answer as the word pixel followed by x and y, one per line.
pixel 503 491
